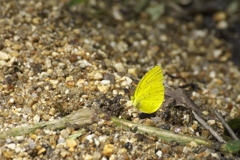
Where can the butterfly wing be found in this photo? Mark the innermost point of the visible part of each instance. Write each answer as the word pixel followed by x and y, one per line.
pixel 149 93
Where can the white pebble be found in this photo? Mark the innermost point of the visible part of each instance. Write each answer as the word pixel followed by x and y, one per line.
pixel 90 138
pixel 212 74
pixel 119 67
pixel 114 92
pixel 159 154
pixel 102 138
pixel 222 25
pixel 211 122
pixel 31 143
pixel 55 54
pixel 96 141
pixel 4 56
pixel 61 140
pixel 98 76
pixel 84 64
pixel 11 146
pixel 3 63
pixel 36 118
pixel 127 82
pixel 11 100
pixel 105 82
pixel 67 91
pixel 217 53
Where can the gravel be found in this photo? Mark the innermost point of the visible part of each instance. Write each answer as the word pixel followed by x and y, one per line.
pixel 56 59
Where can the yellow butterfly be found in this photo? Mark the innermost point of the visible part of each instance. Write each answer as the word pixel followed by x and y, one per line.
pixel 149 94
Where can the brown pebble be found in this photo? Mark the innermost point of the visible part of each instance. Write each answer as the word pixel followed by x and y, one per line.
pixel 108 150
pixel 71 143
pixel 8 154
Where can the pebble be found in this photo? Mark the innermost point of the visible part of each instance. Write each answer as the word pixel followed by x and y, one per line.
pixel 8 154
pixel 119 67
pixel 4 56
pixel 105 82
pixel 159 154
pixel 98 76
pixel 88 157
pixel 133 71
pixel 127 82
pixel 222 25
pixel 65 133
pixel 96 155
pixel 103 88
pixel 217 53
pixel 54 83
pixel 211 122
pixel 11 146
pixel 71 143
pixel 42 150
pixel 36 118
pixel 219 16
pixel 31 143
pixel 108 150
pixel 84 64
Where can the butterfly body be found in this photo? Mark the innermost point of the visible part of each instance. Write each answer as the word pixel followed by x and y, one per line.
pixel 149 93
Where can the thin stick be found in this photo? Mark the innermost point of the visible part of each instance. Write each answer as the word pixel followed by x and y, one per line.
pixel 80 117
pixel 215 134
pixel 229 129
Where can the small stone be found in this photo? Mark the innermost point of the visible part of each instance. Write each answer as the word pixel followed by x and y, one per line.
pixel 127 82
pixel 98 76
pixel 132 71
pixel 115 92
pixel 4 56
pixel 71 143
pixel 123 150
pixel 31 143
pixel 193 144
pixel 108 150
pixel 65 133
pixel 36 118
pixel 103 88
pixel 64 153
pixel 206 113
pixel 222 25
pixel 90 138
pixel 61 140
pixel 212 74
pixel 11 100
pixel 8 154
pixel 52 111
pixel 42 150
pixel 88 157
pixel 211 122
pixel 3 63
pixel 55 54
pixel 84 64
pixel 96 155
pixel 97 142
pixel 54 83
pixel 36 20
pixel 159 154
pixel 105 82
pixel 119 67
pixel 69 78
pixel 219 16
pixel 11 146
pixel 217 53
